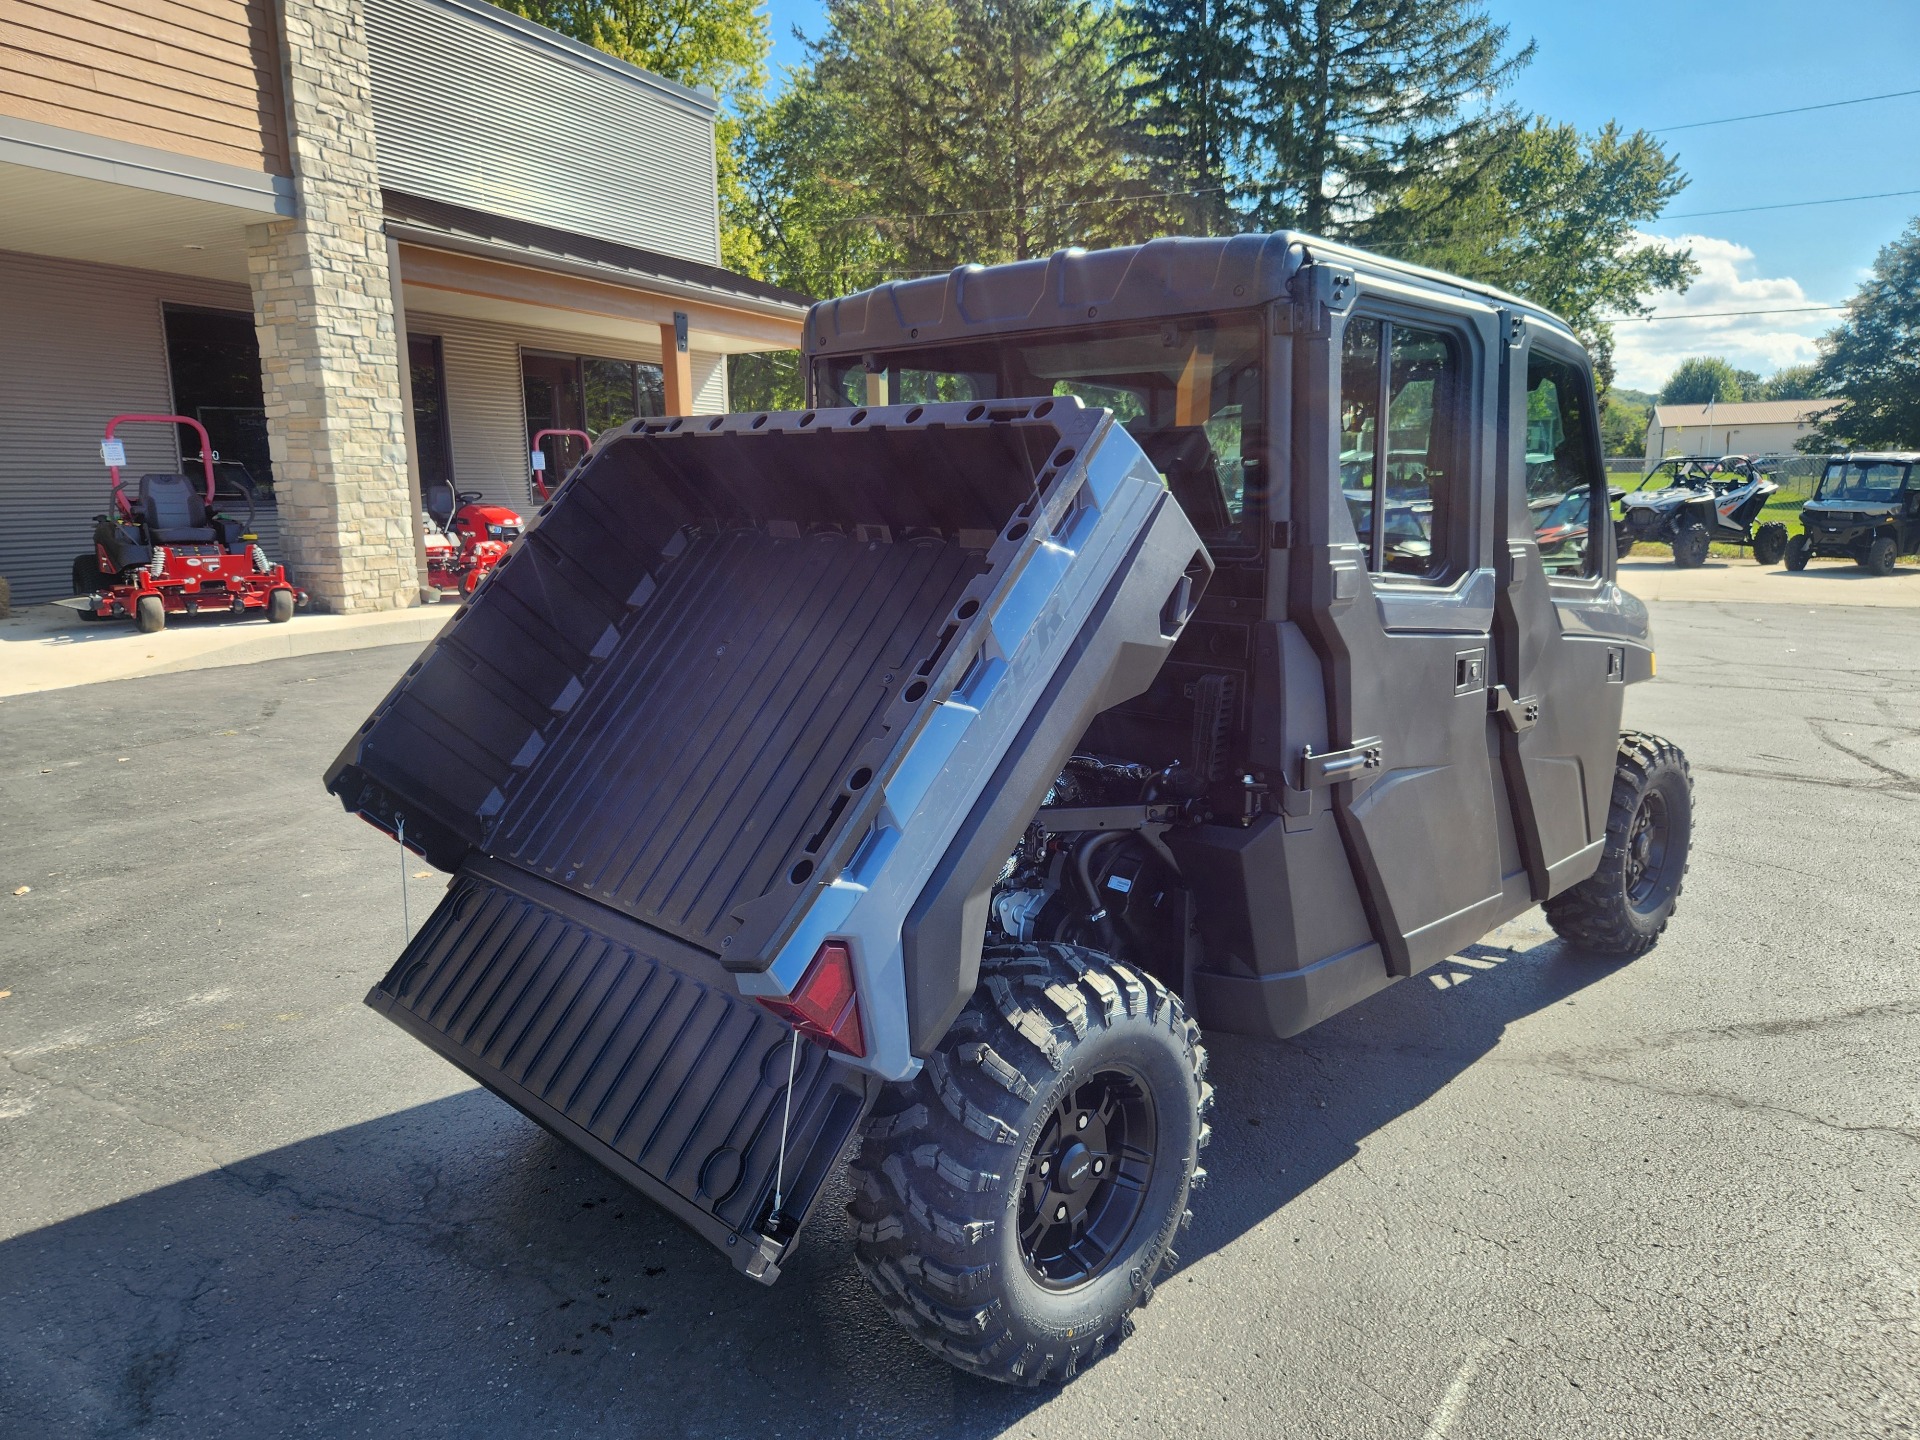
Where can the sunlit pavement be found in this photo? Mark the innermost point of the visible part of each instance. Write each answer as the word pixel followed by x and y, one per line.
pixel 1651 574
pixel 49 647
pixel 1524 1195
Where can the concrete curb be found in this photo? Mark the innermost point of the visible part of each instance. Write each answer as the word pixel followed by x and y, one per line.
pixel 48 647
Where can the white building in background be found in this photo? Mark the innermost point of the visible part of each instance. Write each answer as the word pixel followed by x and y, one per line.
pixel 1755 427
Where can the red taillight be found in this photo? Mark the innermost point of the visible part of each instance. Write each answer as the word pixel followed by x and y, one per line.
pixel 824 1006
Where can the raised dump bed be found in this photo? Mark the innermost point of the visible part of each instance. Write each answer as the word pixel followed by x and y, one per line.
pixel 751 685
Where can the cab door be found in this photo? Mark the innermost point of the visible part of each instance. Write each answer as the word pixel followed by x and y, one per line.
pixel 1395 403
pixel 1558 674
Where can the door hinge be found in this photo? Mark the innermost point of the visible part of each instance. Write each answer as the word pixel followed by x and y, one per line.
pixel 1521 714
pixel 1336 767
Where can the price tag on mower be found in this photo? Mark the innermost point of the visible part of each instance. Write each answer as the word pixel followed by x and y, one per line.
pixel 538 459
pixel 112 452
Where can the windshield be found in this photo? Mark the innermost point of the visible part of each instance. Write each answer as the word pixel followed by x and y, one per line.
pixel 1875 482
pixel 1188 390
pixel 1570 510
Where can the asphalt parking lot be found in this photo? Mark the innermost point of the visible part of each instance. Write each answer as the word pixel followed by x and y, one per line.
pixel 1549 1198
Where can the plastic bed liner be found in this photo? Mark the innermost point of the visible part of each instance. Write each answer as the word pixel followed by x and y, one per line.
pixel 744 682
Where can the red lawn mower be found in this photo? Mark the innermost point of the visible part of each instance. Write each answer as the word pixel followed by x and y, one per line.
pixel 466 537
pixel 171 552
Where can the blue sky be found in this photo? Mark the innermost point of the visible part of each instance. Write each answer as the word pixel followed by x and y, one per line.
pixel 1655 63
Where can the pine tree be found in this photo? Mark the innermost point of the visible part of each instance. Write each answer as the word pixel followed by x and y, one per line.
pixel 989 129
pixel 1355 101
pixel 1187 67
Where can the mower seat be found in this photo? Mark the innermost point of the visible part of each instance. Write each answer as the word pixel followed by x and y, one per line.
pixel 174 510
pixel 440 502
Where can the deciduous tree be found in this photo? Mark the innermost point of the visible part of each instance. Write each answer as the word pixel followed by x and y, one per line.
pixel 1703 380
pixel 1871 362
pixel 1554 220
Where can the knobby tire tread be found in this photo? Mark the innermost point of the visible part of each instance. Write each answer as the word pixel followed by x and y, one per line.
pixel 1591 915
pixel 934 1166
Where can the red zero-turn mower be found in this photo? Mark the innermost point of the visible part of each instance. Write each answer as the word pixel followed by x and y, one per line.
pixel 170 552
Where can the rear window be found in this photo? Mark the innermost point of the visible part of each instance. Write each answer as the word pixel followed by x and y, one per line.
pixel 1188 390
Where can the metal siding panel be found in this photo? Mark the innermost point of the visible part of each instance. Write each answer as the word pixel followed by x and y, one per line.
pixel 709 384
pixel 78 345
pixel 468 111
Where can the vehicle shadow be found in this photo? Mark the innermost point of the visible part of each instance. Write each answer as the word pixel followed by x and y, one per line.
pixel 451 1270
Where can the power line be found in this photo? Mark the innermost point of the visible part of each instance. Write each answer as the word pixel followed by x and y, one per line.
pixel 1795 110
pixel 1788 205
pixel 1119 198
pixel 1716 314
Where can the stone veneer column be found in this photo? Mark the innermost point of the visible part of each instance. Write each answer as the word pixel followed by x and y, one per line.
pixel 323 308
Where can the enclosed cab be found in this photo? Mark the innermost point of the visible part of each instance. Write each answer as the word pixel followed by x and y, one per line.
pixel 1123 644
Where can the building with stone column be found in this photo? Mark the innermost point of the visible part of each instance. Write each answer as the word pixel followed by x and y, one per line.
pixel 374 246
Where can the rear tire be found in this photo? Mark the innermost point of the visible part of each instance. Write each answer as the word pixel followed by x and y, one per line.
pixel 1799 552
pixel 88 577
pixel 1770 543
pixel 150 614
pixel 279 607
pixel 1622 908
pixel 1063 1062
pixel 1690 544
pixel 1622 543
pixel 1881 557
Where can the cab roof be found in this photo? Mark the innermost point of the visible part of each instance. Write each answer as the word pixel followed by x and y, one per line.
pixel 1172 276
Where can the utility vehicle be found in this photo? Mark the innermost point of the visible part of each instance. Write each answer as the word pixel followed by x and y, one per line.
pixel 1866 508
pixel 930 766
pixel 170 549
pixel 1689 503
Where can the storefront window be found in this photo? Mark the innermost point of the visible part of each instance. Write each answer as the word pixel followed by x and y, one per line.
pixel 213 360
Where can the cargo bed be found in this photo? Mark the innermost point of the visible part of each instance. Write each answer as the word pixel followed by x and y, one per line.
pixel 750 682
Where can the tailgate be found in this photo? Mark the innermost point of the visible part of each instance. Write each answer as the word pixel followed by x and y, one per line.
pixel 632 1049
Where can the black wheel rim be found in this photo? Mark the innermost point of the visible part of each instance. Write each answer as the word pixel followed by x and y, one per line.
pixel 1086 1184
pixel 1646 859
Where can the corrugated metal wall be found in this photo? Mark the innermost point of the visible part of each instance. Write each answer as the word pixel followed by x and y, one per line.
pixel 480 108
pixel 79 344
pixel 485 404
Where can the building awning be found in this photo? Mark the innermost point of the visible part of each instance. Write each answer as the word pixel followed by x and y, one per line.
pixel 438 225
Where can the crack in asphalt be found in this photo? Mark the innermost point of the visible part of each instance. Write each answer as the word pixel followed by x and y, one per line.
pixel 140 1114
pixel 1720 1097
pixel 1902 786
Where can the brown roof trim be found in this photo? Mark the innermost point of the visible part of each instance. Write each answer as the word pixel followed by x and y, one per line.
pixel 480 225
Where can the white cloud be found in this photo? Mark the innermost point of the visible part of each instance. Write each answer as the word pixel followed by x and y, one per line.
pixel 1646 353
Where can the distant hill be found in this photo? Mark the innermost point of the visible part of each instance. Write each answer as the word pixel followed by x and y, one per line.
pixel 1633 397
